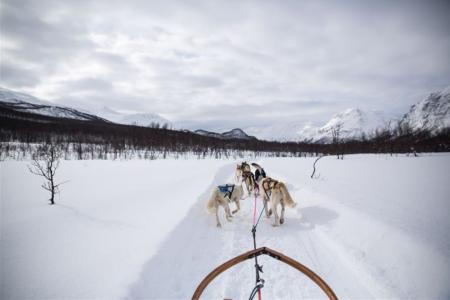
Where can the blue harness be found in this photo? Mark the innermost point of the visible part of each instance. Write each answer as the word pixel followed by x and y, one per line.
pixel 226 190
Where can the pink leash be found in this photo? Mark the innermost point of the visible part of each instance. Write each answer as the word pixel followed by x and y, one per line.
pixel 254 223
pixel 254 212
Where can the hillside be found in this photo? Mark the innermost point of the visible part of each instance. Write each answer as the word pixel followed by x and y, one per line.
pixel 236 133
pixel 28 104
pixel 432 113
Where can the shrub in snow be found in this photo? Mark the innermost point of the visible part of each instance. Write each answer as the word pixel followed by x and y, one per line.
pixel 45 164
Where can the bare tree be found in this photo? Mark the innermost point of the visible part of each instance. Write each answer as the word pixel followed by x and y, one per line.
pixel 314 165
pixel 335 132
pixel 50 154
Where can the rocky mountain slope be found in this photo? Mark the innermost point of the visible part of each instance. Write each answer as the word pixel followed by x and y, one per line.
pixel 432 113
pixel 26 103
pixel 236 133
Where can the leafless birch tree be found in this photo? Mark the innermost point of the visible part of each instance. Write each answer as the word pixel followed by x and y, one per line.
pixel 45 165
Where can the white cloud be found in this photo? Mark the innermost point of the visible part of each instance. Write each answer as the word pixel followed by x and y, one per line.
pixel 230 61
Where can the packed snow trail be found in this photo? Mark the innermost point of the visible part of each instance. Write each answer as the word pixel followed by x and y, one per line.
pixel 196 247
pixel 337 241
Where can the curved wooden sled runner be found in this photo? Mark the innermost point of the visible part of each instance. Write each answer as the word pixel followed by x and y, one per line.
pixel 272 253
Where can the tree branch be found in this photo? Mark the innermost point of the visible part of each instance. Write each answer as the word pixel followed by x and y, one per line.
pixel 314 165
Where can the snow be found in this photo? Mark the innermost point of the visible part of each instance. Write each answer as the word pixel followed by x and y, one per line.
pixel 432 113
pixel 10 96
pixel 32 104
pixel 372 226
pixel 140 119
pixel 279 131
pixel 235 133
pixel 28 103
pixel 353 122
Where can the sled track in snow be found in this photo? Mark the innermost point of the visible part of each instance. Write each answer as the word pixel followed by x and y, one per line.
pixel 196 246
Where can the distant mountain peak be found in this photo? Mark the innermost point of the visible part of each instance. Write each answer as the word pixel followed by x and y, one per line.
pixel 353 123
pixel 144 119
pixel 431 113
pixel 26 103
pixel 235 133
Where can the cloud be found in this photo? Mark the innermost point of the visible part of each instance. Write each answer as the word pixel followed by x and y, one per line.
pixel 17 75
pixel 227 62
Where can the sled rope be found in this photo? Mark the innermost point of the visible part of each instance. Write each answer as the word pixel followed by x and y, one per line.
pixel 259 282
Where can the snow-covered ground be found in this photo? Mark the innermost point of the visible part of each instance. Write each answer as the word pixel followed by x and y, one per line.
pixel 373 226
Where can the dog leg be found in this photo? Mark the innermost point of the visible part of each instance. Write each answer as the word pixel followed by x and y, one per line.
pixel 267 209
pixel 227 212
pixel 217 217
pixel 275 214
pixel 282 214
pixel 238 206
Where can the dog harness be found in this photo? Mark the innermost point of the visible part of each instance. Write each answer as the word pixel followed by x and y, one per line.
pixel 249 175
pixel 226 190
pixel 269 184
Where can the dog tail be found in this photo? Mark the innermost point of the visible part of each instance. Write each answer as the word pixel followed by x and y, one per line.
pixel 256 165
pixel 286 196
pixel 210 206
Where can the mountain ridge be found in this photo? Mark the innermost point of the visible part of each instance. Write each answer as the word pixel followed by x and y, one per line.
pixel 235 133
pixel 431 113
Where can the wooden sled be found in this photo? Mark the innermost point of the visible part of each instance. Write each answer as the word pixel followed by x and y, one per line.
pixel 272 253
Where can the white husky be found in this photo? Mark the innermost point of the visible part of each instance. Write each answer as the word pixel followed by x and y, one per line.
pixel 275 193
pixel 219 198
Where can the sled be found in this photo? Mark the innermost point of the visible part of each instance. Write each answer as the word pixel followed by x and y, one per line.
pixel 272 253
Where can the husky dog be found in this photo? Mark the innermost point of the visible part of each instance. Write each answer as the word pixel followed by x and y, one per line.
pixel 259 173
pixel 222 196
pixel 275 192
pixel 244 171
pixel 244 166
pixel 249 180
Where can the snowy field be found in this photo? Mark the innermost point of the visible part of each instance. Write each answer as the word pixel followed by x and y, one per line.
pixel 373 226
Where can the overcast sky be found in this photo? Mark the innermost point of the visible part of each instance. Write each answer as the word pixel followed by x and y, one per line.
pixel 219 64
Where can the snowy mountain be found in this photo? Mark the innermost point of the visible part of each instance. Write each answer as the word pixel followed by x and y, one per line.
pixel 353 123
pixel 282 132
pixel 432 113
pixel 138 119
pixel 26 103
pixel 236 133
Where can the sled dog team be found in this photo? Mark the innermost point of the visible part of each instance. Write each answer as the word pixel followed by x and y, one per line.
pixel 273 192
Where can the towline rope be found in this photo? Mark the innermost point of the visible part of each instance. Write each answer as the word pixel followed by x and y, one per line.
pixel 259 282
